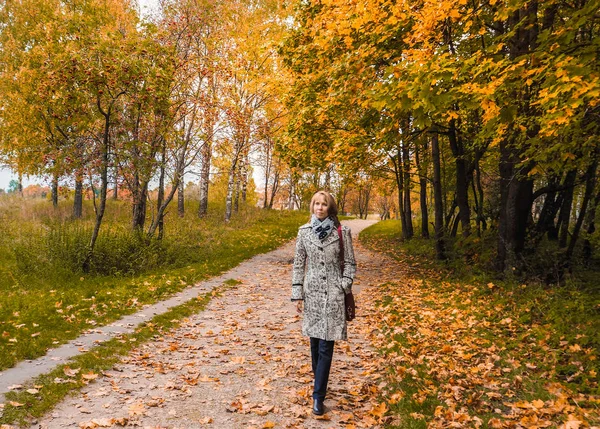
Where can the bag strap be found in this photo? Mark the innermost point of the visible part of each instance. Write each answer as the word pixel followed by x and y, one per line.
pixel 339 230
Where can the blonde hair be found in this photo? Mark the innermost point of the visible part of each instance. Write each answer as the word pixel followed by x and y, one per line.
pixel 332 208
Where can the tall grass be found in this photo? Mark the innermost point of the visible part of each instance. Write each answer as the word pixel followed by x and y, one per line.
pixel 45 297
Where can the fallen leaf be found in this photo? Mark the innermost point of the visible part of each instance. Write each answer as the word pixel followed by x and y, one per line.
pixel 70 372
pixel 89 376
pixel 103 423
pixel 137 409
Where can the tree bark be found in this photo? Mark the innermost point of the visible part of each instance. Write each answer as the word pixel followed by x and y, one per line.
pixel 397 162
pixel 462 183
pixel 440 249
pixel 274 188
pixel 590 228
pixel 565 209
pixel 115 195
pixel 590 184
pixel 236 192
pixel 55 190
pixel 423 192
pixel 20 184
pixel 516 191
pixel 229 199
pixel 205 157
pixel 140 198
pixel 161 190
pixel 480 191
pixel 78 198
pixel 244 172
pixel 407 203
pixel 181 196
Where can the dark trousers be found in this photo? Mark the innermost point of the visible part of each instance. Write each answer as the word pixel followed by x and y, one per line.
pixel 322 353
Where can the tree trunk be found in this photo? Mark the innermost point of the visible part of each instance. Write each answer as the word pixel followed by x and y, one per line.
pixel 20 184
pixel 274 188
pixel 140 197
pixel 396 160
pixel 545 223
pixel 181 196
pixel 423 193
pixel 590 184
pixel 462 184
pixel 477 209
pixel 407 203
pixel 244 170
pixel 115 195
pixel 565 208
pixel 78 198
pixel 590 229
pixel 516 191
pixel 236 192
pixel 179 167
pixel 55 191
pixel 161 191
pixel 229 199
pixel 291 200
pixel 480 191
pixel 267 175
pixel 99 210
pixel 205 156
pixel 440 249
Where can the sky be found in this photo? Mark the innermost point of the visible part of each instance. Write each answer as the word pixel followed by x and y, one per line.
pixel 146 7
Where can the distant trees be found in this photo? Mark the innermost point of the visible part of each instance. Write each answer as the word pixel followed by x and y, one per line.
pixel 94 95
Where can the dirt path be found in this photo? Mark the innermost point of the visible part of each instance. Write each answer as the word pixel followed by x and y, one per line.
pixel 241 363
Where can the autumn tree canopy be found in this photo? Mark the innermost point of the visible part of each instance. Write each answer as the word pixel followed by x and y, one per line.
pixel 504 95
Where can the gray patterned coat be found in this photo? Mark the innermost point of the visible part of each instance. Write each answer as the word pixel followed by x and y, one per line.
pixel 317 279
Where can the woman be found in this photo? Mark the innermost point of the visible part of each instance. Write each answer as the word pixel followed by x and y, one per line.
pixel 319 283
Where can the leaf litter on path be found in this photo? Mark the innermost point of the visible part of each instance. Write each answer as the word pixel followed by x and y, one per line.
pixel 240 363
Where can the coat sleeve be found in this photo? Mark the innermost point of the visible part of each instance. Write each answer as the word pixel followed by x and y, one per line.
pixel 349 261
pixel 298 269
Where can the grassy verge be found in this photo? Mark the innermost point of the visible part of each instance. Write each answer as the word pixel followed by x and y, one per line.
pixel 45 300
pixel 43 393
pixel 465 350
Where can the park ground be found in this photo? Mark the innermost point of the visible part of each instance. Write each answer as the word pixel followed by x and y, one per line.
pixel 424 351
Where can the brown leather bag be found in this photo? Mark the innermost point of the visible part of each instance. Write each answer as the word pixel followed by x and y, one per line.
pixel 349 304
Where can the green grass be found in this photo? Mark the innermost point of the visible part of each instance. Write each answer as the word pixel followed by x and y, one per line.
pixel 553 328
pixel 98 359
pixel 47 300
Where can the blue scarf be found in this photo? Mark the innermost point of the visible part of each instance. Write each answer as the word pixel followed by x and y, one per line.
pixel 321 228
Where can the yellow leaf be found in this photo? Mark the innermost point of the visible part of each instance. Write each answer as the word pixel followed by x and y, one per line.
pixel 70 372
pixel 90 376
pixel 538 403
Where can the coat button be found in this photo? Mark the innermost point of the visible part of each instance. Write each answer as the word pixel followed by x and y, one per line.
pixel 324 278
pixel 322 263
pixel 325 292
pixel 320 248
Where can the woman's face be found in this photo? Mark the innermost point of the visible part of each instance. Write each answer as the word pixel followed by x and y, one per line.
pixel 320 207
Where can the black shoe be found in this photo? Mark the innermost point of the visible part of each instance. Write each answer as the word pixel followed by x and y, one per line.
pixel 318 407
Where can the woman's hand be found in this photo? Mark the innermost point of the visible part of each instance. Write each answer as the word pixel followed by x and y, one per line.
pixel 299 306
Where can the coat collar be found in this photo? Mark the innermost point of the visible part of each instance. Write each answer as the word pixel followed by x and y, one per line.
pixel 331 238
